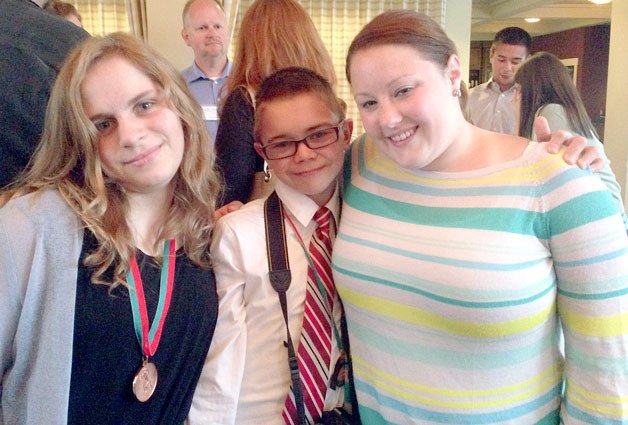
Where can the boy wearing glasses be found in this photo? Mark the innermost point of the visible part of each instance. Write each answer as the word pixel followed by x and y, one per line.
pixel 302 133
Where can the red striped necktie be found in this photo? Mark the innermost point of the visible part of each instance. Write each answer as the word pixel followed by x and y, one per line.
pixel 314 353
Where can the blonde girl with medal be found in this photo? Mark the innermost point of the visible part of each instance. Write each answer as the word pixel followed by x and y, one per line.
pixel 107 298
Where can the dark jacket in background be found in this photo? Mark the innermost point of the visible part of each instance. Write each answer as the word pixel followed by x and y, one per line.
pixel 33 45
pixel 235 154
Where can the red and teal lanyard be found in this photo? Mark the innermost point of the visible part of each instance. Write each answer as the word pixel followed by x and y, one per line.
pixel 149 341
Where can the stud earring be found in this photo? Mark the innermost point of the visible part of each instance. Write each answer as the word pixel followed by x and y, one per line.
pixel 457 92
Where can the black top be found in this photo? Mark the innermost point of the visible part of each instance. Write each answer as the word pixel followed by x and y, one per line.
pixel 235 155
pixel 33 46
pixel 107 355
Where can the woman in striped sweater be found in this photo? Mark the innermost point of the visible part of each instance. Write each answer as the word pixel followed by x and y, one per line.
pixel 464 256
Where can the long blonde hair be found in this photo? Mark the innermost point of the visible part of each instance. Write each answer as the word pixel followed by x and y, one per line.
pixel 277 34
pixel 67 160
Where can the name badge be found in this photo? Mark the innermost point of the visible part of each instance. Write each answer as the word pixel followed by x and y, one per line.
pixel 210 112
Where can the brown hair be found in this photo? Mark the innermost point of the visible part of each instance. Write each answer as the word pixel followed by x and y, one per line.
pixel 62 8
pixel 67 160
pixel 288 82
pixel 413 29
pixel 408 28
pixel 514 36
pixel 543 79
pixel 276 34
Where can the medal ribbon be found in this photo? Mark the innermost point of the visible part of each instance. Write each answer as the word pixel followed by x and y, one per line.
pixel 150 340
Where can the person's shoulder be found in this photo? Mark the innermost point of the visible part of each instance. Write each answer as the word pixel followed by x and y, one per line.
pixel 543 163
pixel 551 108
pixel 188 73
pixel 38 208
pixel 238 101
pixel 478 89
pixel 240 94
pixel 42 34
pixel 241 227
pixel 59 30
pixel 249 214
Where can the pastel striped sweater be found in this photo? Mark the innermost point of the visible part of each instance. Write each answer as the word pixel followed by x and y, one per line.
pixel 455 285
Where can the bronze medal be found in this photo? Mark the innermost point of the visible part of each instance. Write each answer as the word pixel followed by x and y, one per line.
pixel 145 381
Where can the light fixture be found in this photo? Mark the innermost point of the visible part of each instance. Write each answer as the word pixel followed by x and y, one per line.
pixel 532 20
pixel 600 1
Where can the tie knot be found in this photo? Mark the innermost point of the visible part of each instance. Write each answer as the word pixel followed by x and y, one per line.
pixel 322 217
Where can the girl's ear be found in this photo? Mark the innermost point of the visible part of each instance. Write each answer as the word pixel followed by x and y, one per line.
pixel 453 71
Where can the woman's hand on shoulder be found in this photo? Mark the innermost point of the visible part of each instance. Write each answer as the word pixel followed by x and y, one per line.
pixel 578 152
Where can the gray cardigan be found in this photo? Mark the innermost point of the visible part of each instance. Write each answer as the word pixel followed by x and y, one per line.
pixel 40 245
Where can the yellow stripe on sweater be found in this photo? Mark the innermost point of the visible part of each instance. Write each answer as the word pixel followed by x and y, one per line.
pixel 406 390
pixel 416 316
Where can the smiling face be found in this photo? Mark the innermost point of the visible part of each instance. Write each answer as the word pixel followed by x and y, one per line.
pixel 311 172
pixel 141 138
pixel 407 105
pixel 205 30
pixel 505 60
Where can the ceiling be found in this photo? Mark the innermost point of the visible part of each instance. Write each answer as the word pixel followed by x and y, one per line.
pixel 489 16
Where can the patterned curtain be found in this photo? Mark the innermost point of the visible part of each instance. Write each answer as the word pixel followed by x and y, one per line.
pixel 104 16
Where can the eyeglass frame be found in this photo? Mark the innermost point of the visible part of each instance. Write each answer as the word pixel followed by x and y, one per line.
pixel 337 127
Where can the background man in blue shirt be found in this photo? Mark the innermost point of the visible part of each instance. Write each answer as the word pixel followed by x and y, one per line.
pixel 206 31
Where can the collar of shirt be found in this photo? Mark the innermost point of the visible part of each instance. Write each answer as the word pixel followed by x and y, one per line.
pixel 302 207
pixel 493 86
pixel 194 73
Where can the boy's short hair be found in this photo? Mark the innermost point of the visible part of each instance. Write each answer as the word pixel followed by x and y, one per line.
pixel 514 36
pixel 291 81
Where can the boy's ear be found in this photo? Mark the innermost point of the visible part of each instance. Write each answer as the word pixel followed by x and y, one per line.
pixel 347 130
pixel 258 148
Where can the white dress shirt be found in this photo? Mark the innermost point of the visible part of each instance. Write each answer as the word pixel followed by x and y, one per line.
pixel 246 378
pixel 493 109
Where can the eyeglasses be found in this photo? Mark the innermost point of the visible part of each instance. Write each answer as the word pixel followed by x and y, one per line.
pixel 316 140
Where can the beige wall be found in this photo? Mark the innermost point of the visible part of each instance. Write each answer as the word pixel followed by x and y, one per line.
pixel 458 27
pixel 616 129
pixel 164 31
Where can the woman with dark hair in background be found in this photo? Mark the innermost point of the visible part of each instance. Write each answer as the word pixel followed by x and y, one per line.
pixel 545 89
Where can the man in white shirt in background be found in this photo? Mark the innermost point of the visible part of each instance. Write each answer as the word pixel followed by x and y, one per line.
pixel 491 104
pixel 206 31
